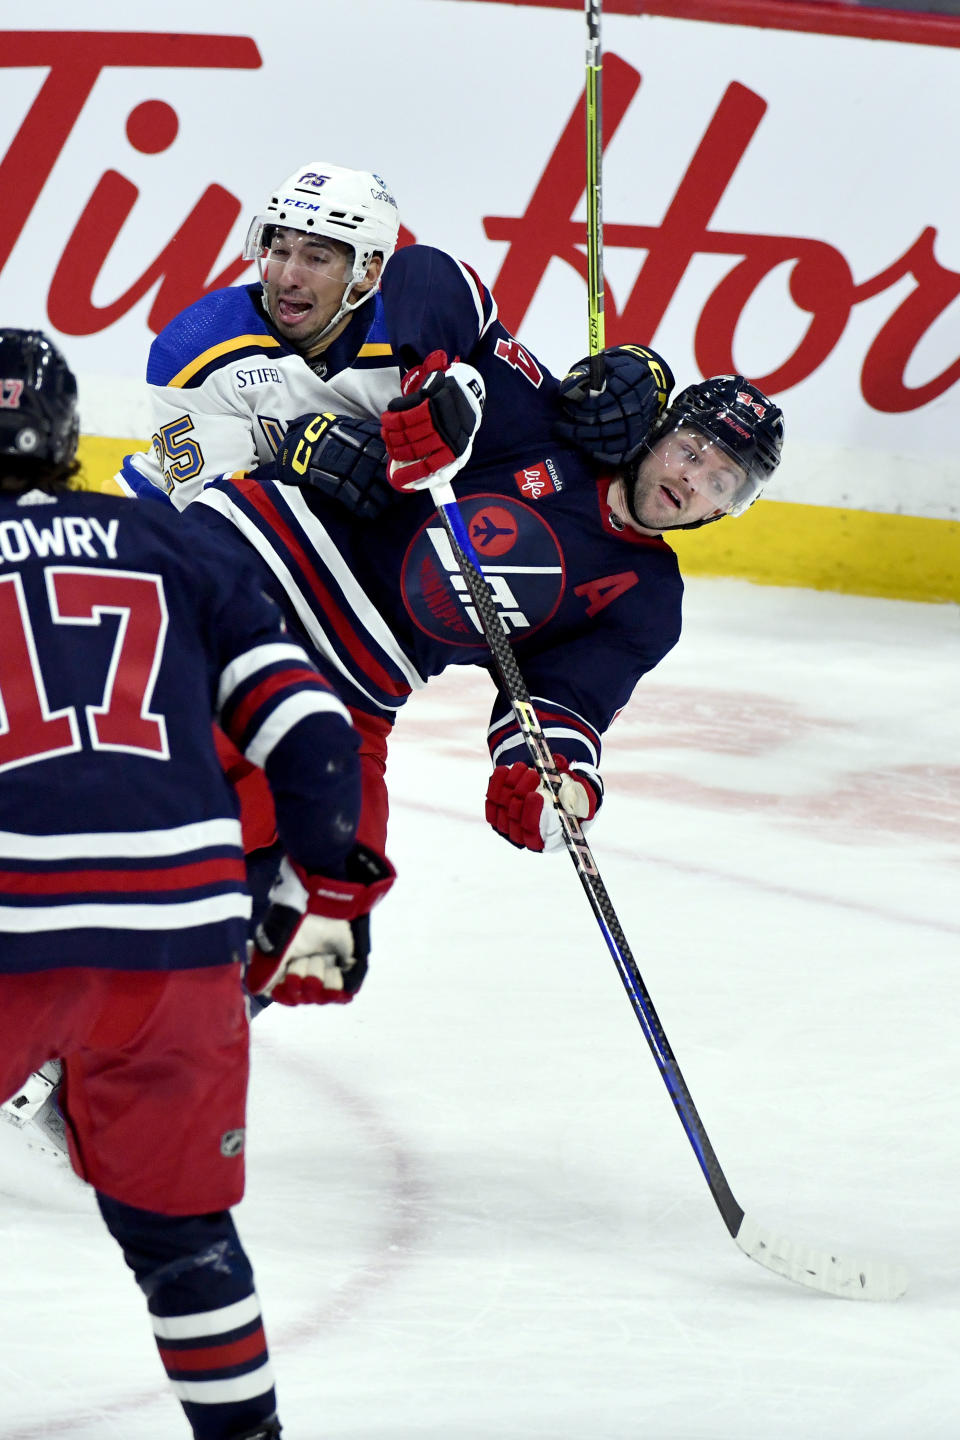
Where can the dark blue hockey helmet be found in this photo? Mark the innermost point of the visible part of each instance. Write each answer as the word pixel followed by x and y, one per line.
pixel 743 422
pixel 39 423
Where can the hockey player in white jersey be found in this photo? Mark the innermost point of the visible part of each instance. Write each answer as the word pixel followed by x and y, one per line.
pixel 335 320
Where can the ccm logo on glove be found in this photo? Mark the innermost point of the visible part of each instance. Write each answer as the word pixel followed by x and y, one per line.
pixel 613 423
pixel 343 457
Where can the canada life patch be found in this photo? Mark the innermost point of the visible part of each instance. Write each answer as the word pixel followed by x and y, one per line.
pixel 535 481
pixel 521 559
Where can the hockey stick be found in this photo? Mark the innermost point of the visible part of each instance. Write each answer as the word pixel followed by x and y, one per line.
pixel 594 108
pixel 818 1269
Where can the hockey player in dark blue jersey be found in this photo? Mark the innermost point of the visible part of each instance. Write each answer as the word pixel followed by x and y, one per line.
pixel 586 585
pixel 123 907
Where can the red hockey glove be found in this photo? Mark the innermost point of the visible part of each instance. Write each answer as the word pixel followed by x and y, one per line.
pixel 432 424
pixel 313 943
pixel 520 808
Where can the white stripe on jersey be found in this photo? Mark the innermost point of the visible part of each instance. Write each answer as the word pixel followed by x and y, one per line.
pixel 222 503
pixel 551 733
pixel 482 325
pixel 286 715
pixel 131 844
pixel 26 920
pixel 247 664
pixel 203 1323
pixel 220 1392
pixel 365 612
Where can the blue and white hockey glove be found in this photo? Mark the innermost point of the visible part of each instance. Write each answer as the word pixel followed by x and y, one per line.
pixel 431 426
pixel 612 425
pixel 340 456
pixel 313 943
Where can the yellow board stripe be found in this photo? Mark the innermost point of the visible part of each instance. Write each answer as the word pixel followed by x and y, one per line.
pixel 100 458
pixel 816 547
pixel 238 342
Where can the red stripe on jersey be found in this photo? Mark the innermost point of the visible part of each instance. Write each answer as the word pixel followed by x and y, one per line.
pixel 257 496
pixel 216 1357
pixel 481 288
pixel 261 693
pixel 177 877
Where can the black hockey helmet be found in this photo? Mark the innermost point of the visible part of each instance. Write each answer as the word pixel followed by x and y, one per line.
pixel 39 423
pixel 743 423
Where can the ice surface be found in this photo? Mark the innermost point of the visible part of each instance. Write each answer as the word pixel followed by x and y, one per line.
pixel 471 1207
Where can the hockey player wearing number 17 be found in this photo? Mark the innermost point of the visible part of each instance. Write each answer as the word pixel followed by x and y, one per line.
pixel 123 907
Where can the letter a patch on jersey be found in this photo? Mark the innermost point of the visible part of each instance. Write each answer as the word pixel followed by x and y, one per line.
pixel 600 593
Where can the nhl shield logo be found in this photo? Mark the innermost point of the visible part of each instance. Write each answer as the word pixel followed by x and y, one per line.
pixel 231 1144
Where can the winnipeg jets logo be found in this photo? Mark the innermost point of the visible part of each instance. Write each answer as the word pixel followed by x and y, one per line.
pixel 521 562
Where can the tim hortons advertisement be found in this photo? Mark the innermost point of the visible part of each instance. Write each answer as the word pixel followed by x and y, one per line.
pixel 774 204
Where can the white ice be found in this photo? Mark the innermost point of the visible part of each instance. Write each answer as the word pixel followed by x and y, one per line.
pixel 471 1207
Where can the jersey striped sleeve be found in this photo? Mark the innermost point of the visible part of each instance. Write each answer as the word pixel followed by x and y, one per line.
pixel 567 733
pixel 267 690
pixel 337 615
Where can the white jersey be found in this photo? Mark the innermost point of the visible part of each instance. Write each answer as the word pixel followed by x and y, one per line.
pixel 226 386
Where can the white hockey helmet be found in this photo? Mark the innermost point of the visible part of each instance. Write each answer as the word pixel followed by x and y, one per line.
pixel 354 206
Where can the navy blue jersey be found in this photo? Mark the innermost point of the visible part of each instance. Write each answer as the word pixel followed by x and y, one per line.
pixel 120 646
pixel 589 606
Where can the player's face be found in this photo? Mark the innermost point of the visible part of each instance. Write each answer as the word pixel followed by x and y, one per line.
pixel 684 478
pixel 306 278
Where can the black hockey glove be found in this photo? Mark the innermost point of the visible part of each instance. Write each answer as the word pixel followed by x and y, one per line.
pixel 612 425
pixel 344 458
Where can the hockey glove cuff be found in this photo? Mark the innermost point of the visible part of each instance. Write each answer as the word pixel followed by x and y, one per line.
pixel 431 426
pixel 313 943
pixel 521 809
pixel 612 425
